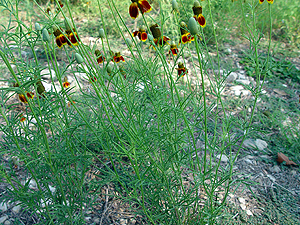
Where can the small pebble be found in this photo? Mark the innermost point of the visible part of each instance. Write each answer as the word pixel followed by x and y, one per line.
pixel 3 218
pixel 16 209
pixel 249 213
pixel 3 206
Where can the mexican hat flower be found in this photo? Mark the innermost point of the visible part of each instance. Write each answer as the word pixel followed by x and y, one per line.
pixel 173 49
pixel 99 56
pixel 118 58
pixel 93 79
pixel 136 5
pixel 197 9
pixel 269 1
pixel 66 83
pixel 181 69
pixel 186 36
pixel 60 39
pixel 71 32
pixel 159 40
pixel 22 118
pixel 141 33
pixel 23 99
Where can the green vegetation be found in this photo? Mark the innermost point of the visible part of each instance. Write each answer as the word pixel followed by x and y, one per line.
pixel 130 116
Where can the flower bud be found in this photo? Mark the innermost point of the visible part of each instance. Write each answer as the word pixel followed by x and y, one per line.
pixel 174 5
pixel 193 27
pixel 101 33
pixel 109 69
pixel 128 42
pixel 37 26
pixel 196 4
pixel 78 58
pixel 46 36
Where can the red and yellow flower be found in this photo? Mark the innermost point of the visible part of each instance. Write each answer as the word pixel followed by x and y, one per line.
pixel 136 5
pixel 60 39
pixel 186 36
pixel 93 79
pixel 181 69
pixel 66 83
pixel 73 37
pixel 22 118
pixel 23 99
pixel 71 33
pixel 269 1
pixel 141 33
pixel 118 58
pixel 197 9
pixel 173 49
pixel 159 40
pixel 99 56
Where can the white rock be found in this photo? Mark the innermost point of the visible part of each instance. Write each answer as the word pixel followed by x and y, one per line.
pixel 87 219
pixel 3 206
pixel 260 144
pixel 241 76
pixel 243 206
pixel 52 189
pixel 16 209
pixel 3 218
pixel 248 161
pixel 242 200
pixel 273 179
pixel 249 213
pixel 7 222
pixel 224 158
pixel 249 143
pixel 123 221
pixel 237 88
pixel 231 77
pixel 49 87
pixel 244 82
pixel 96 220
pixel 32 184
pixel 45 73
pixel 82 76
pixel 275 169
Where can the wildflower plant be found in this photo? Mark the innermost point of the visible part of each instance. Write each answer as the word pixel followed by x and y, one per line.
pixel 139 125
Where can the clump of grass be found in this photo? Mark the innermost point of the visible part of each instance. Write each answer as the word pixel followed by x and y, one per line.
pixel 138 121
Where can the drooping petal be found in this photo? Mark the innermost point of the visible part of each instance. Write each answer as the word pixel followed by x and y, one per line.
pixel 135 33
pixel 72 37
pixel 144 6
pixel 184 39
pixel 174 51
pixel 182 71
pixel 201 20
pixel 144 36
pixel 117 59
pixel 63 39
pixel 58 42
pixel 270 1
pixel 190 38
pixel 30 95
pixel 66 84
pixel 121 58
pixel 100 59
pixel 23 98
pixel 93 79
pixel 261 1
pixel 133 10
